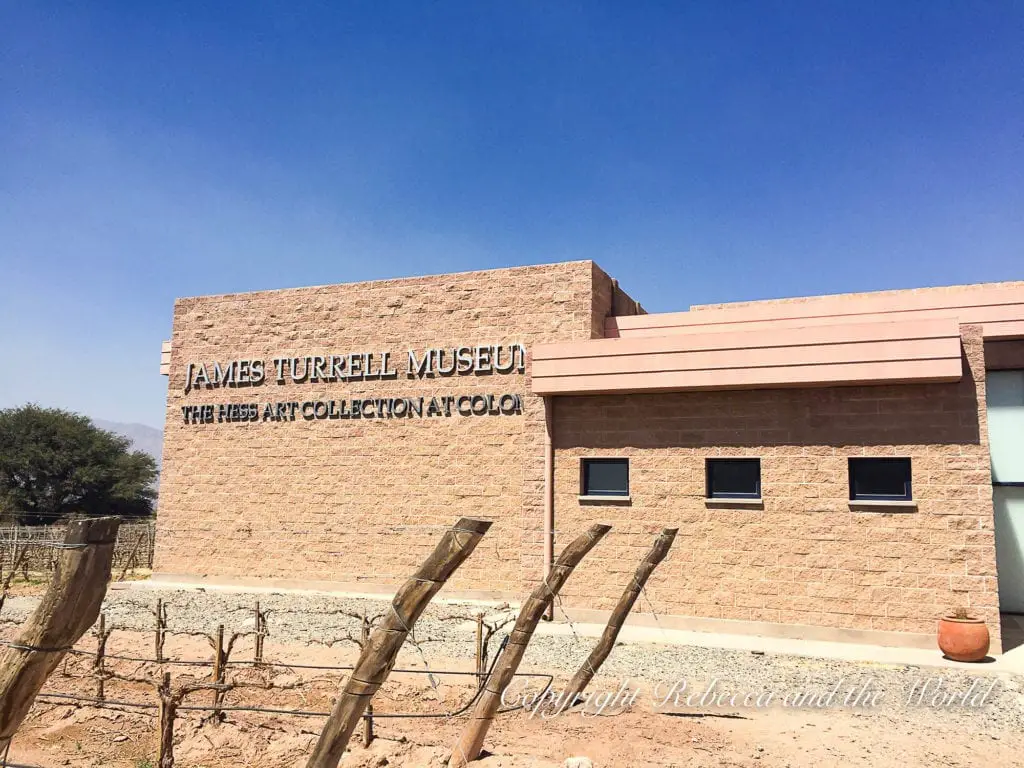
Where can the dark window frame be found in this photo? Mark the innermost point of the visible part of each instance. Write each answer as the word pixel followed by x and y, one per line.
pixel 584 484
pixel 866 461
pixel 710 463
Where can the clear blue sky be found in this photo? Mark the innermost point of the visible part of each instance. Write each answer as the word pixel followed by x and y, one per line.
pixel 699 151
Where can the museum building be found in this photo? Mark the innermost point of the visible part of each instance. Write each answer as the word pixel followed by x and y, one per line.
pixel 839 467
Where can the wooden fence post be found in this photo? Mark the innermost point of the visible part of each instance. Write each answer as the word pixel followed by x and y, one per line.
pixel 168 711
pixel 258 653
pixel 378 655
pixel 604 646
pixel 468 747
pixel 101 650
pixel 368 717
pixel 479 650
pixel 69 607
pixel 161 626
pixel 218 672
pixel 170 700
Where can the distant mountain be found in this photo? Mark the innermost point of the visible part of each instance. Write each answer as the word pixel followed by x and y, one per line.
pixel 143 438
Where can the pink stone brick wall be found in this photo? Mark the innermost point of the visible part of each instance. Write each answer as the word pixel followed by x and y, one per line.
pixel 806 557
pixel 364 500
pixel 609 300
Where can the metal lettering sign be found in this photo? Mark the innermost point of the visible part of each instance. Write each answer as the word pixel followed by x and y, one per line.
pixel 370 408
pixel 358 366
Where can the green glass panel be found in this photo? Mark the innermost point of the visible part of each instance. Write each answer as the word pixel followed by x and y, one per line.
pixel 1009 522
pixel 1004 393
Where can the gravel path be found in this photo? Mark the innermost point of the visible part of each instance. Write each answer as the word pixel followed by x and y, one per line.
pixel 447 632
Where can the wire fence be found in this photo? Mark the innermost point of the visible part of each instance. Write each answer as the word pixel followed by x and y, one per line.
pixel 33 549
pixel 95 668
pixel 105 702
pixel 153 671
pixel 226 671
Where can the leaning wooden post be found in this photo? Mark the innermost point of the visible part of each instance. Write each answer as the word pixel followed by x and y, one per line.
pixel 16 558
pixel 69 607
pixel 378 655
pixel 471 742
pixel 131 557
pixel 604 646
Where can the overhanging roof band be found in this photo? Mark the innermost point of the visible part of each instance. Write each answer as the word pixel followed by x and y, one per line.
pixel 830 355
pixel 999 308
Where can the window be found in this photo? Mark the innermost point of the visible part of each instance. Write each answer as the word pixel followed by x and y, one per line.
pixel 733 478
pixel 880 479
pixel 605 477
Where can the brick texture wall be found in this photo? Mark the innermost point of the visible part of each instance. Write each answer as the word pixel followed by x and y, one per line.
pixel 364 500
pixel 806 557
pixel 609 300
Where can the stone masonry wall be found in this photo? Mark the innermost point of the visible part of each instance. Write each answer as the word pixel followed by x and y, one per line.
pixel 363 500
pixel 806 557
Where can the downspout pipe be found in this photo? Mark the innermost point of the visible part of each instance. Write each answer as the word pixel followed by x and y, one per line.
pixel 549 492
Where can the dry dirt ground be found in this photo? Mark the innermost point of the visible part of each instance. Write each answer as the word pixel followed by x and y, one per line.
pixel 61 734
pixel 35 583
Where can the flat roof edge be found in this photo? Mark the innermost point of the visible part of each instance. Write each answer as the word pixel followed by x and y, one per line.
pixel 969 287
pixel 386 280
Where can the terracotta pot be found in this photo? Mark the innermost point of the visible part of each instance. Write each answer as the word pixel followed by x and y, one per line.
pixel 963 639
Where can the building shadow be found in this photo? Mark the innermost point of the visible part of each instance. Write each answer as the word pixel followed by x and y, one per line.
pixel 906 414
pixel 1013 630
